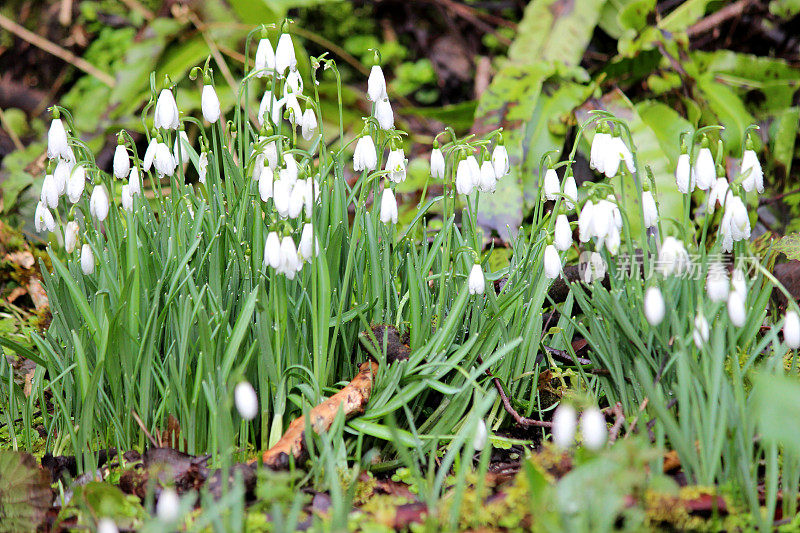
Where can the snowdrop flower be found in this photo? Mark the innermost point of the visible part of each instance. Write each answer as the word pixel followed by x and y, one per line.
pixel 791 329
pixel 291 170
pixel 562 234
pixel 597 154
pixel 465 181
pixel 57 143
pixel 738 282
pixel 98 203
pixel 163 161
pixel 166 114
pixel 265 184
pixel 209 104
pixel 270 153
pixel 736 309
pixel 388 207
pixel 122 163
pixel 244 396
pixel 704 169
pixel 487 182
pixel 718 194
pixel 182 143
pixel 649 209
pixel 701 332
pixel 500 161
pixel 284 54
pixel 281 196
pixel 309 245
pixel 265 58
pixel 309 124
pixel 612 241
pixel 616 153
pixel 365 157
pixel 396 165
pixel 551 186
pixel 106 525
pixel 593 428
pixel 76 183
pixel 586 222
pixel 296 200
pixel 735 224
pixel 684 177
pixel 202 167
pixel 654 308
pixel 384 114
pixel 594 268
pixel 290 262
pixel 272 250
pixel 269 105
pixel 376 85
pixel 71 236
pixel 565 422
pixel 755 179
pixel 673 257
pixel 43 219
pixel 437 164
pixel 570 192
pixel 61 175
pixel 552 262
pixel 476 282
pixel 295 111
pixel 481 436
pixel 149 154
pixel 294 83
pixel 87 260
pixel 126 198
pixel 717 282
pixel 134 181
pixel 49 194
pixel 168 505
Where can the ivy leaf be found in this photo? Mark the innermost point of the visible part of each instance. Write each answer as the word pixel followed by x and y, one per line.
pixel 25 494
pixel 789 245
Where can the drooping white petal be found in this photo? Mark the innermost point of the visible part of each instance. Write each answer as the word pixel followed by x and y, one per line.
pixel 244 396
pixel 376 84
pixel 476 283
pixel 437 164
pixel 593 428
pixel 122 163
pixel 166 113
pixel 388 207
pixel 209 104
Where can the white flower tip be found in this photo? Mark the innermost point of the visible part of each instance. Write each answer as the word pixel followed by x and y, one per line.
pixel 246 400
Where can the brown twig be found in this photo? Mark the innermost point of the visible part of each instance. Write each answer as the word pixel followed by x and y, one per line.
pixel 619 419
pixel 718 17
pixel 519 419
pixel 144 429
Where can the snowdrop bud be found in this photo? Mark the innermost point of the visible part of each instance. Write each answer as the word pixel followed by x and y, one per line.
pixel 552 262
pixel 87 260
pixel 597 154
pixel 654 308
pixel 272 250
pixel 166 114
pixel 182 142
pixel 791 329
pixel 736 309
pixel 265 183
pixel 705 169
pixel 49 194
pixel 168 505
pixel 126 198
pixel 209 103
pixel 437 164
pixel 163 161
pixel 76 183
pixel 464 180
pixel 562 235
pixel 481 436
pixel 365 157
pixel 717 282
pixel 565 422
pixel 649 209
pixel 595 268
pixel 384 114
pixel 296 200
pixel 71 236
pixel 265 58
pixel 593 428
pixel 701 332
pixel 98 203
pixel 683 175
pixel 755 178
pixel 500 161
pixel 244 396
pixel 571 192
pixel 487 182
pixel 134 183
pixel 309 245
pixel 149 154
pixel 396 165
pixel 476 281
pixel 388 207
pixel 376 84
pixel 284 54
pixel 281 196
pixel 61 175
pixel 309 124
pixel 673 257
pixel 551 186
pixel 738 282
pixel 106 525
pixel 290 263
pixel 291 103
pixel 202 167
pixel 122 163
pixel 57 143
pixel 43 219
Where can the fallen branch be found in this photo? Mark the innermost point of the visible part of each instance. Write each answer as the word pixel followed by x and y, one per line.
pixel 518 418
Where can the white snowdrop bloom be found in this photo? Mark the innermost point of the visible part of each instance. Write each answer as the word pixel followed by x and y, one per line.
pixel 126 198
pixel 597 153
pixel 755 176
pixel 291 103
pixel 365 157
pixel 181 143
pixel 488 180
pixel 163 161
pixel 57 143
pixel 209 104
pixel 603 219
pixel 269 106
pixel 265 183
pixel 593 428
pixel 673 258
pixel 616 153
pixel 43 219
pixel 388 207
pixel 649 209
pixel 551 186
pixel 202 167
pixel 87 260
pixel 595 268
pixel 270 152
pixel 71 236
pixel 168 505
pixel 552 262
pixel 701 331
pixel 61 175
pixel 294 83
pixel 311 195
pixel 717 194
pixel 149 154
pixel 290 262
pixel 98 203
pixel 309 244
pixel 384 114
pixel 654 308
pixel 464 180
pixel 244 396
pixel 281 196
pixel 476 282
pixel 122 163
pixel 586 222
pixel 272 250
pixel 717 283
pixel 736 308
pixel 396 165
pixel 284 54
pixel 500 161
pixel 565 422
pixel 291 170
pixel 308 124
pixel 735 223
pixel 481 436
pixel 76 183
pixel 570 192
pixel 704 169
pixel 562 234
pixel 265 58
pixel 106 525
pixel 437 164
pixel 166 114
pixel 738 282
pixel 297 200
pixel 376 84
pixel 49 194
pixel 612 240
pixel 684 177
pixel 475 169
pixel 791 329
pixel 134 181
